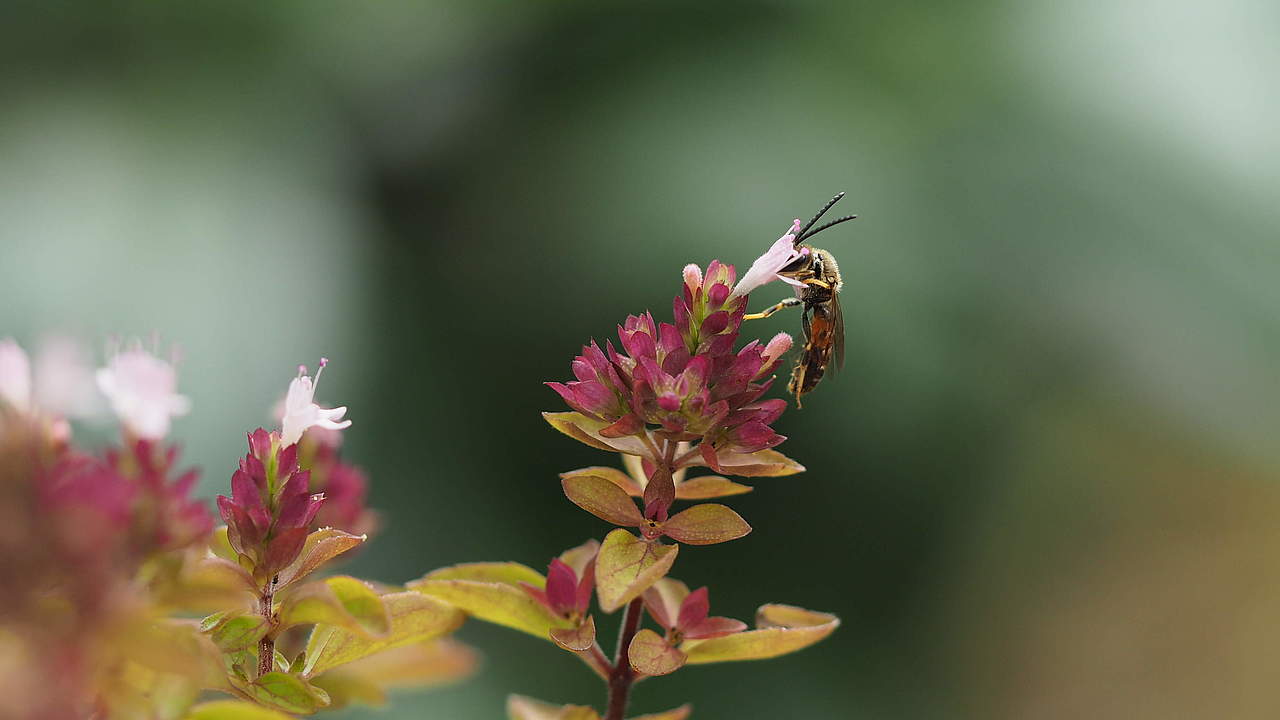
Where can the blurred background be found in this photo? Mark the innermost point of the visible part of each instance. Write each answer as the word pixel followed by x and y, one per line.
pixel 1045 485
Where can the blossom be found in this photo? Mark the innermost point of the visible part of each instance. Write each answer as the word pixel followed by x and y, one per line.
pixel 301 411
pixel 142 391
pixel 271 507
pixel 765 269
pixel 15 375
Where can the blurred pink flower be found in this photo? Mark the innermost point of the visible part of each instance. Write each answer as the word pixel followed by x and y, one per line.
pixel 15 376
pixel 142 391
pixel 301 412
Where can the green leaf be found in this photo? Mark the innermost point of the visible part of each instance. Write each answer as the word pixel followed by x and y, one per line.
pixel 497 601
pixel 320 547
pixel 233 710
pixel 413 618
pixel 628 484
pixel 602 498
pixel 706 524
pixel 526 708
pixel 235 631
pixel 764 463
pixel 500 572
pixel 289 693
pixel 578 638
pixel 627 566
pixel 679 713
pixel 343 601
pixel 587 431
pixel 708 487
pixel 651 654
pixel 781 629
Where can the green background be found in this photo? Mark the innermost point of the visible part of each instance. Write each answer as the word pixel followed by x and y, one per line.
pixel 1044 484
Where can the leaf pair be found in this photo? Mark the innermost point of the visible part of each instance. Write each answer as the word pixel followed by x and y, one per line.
pixel 704 524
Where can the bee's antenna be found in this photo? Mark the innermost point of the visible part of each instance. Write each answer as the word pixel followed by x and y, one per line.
pixel 824 227
pixel 801 235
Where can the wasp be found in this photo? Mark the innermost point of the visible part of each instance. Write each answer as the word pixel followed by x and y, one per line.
pixel 819 295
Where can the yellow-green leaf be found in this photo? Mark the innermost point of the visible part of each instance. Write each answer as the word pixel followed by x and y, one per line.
pixel 289 693
pixel 708 487
pixel 220 545
pixel 587 431
pixel 651 654
pixel 602 498
pixel 495 602
pixel 613 475
pixel 235 631
pixel 343 601
pixel 500 572
pixel 413 618
pixel 526 708
pixel 578 638
pixel 781 629
pixel 627 566
pixel 320 547
pixel 763 463
pixel 233 710
pixel 706 524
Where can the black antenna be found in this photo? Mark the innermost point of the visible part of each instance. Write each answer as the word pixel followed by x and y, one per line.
pixel 824 227
pixel 801 235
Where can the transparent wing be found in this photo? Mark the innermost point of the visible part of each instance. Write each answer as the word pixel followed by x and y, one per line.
pixel 837 322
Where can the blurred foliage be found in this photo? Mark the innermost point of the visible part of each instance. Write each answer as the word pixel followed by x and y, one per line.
pixel 1047 469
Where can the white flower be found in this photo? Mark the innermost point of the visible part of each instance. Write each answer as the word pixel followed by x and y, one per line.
pixel 15 376
pixel 765 269
pixel 301 411
pixel 142 391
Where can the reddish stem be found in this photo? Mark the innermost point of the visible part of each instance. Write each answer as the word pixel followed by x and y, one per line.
pixel 267 646
pixel 622 676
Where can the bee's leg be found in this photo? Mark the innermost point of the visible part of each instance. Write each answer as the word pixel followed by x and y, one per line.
pixel 815 282
pixel 789 302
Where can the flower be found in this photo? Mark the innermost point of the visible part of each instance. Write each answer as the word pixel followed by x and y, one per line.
pixel 142 391
pixel 15 376
pixel 271 508
pixel 765 269
pixel 301 411
pixel 684 377
pixel 165 515
pixel 345 486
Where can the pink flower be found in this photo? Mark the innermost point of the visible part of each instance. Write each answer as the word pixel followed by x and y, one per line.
pixel 301 411
pixel 765 269
pixel 142 391
pixel 15 376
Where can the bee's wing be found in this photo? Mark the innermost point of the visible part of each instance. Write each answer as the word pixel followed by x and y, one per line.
pixel 837 322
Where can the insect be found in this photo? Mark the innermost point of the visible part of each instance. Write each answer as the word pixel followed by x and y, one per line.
pixel 819 295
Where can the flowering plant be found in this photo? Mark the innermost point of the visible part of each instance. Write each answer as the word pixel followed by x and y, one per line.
pixel 109 562
pixel 671 397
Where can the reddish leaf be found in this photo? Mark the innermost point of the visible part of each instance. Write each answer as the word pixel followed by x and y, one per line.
pixel 577 638
pixel 764 463
pixel 587 431
pixel 603 499
pixel 320 547
pixel 663 601
pixel 714 627
pixel 706 524
pixel 650 654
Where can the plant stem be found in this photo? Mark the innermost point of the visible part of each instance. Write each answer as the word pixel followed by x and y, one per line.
pixel 267 646
pixel 623 676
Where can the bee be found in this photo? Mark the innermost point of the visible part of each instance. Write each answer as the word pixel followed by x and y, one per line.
pixel 819 296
